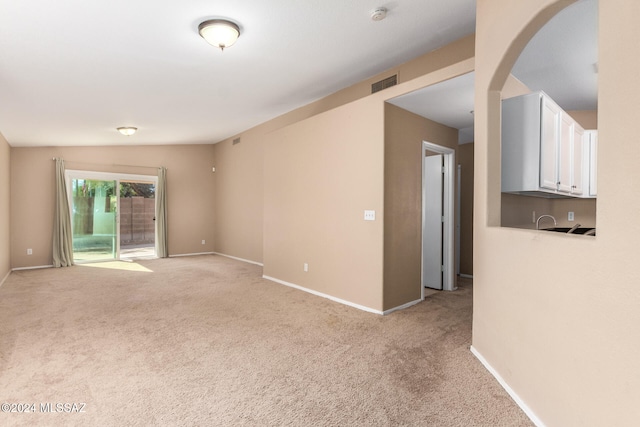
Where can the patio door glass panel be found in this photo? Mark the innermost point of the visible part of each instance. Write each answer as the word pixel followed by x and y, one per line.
pixel 137 207
pixel 94 218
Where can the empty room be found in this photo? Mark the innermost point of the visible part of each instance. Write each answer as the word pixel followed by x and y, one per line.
pixel 267 213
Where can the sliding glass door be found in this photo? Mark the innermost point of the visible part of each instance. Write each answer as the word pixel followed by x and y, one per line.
pixel 112 215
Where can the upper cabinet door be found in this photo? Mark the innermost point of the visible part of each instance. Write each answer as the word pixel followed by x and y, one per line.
pixel 549 144
pixel 577 160
pixel 564 154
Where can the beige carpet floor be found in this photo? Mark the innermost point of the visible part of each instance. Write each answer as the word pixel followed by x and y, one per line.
pixel 206 341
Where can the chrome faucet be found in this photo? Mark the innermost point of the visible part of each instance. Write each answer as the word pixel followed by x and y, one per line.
pixel 574 228
pixel 542 216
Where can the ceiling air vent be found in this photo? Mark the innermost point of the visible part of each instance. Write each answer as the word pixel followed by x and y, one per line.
pixel 236 141
pixel 385 83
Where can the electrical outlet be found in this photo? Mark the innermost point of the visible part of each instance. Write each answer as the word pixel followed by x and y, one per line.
pixel 570 216
pixel 305 267
pixel 29 251
pixel 203 242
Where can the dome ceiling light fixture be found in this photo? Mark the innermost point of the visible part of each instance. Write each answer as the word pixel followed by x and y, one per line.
pixel 127 130
pixel 219 32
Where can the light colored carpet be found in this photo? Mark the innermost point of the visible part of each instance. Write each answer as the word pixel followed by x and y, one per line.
pixel 206 341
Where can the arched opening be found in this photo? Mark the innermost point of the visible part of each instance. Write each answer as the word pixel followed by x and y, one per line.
pixel 546 164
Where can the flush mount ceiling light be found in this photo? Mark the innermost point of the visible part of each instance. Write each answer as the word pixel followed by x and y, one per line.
pixel 219 32
pixel 127 131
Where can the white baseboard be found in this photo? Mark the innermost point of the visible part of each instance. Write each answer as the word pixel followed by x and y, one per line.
pixel 466 276
pixel 35 267
pixel 537 421
pixel 194 254
pixel 239 259
pixel 401 307
pixel 5 278
pixel 320 294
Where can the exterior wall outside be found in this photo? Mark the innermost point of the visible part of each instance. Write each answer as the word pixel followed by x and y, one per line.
pixel 556 317
pixel 137 220
pixel 190 185
pixel 5 208
pixel 404 134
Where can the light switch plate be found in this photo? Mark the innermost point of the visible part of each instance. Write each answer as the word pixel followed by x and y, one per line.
pixel 369 215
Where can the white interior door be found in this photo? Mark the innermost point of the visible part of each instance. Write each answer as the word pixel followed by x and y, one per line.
pixel 432 243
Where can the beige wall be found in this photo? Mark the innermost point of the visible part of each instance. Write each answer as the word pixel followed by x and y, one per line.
pixel 319 176
pixel 404 133
pixel 465 160
pixel 322 166
pixel 239 168
pixel 588 119
pixel 584 211
pixel 239 196
pixel 557 317
pixel 5 208
pixel 517 211
pixel 190 186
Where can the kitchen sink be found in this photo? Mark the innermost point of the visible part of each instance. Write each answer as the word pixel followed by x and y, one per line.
pixel 580 230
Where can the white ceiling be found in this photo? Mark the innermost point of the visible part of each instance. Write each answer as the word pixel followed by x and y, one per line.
pixel 72 71
pixel 559 60
pixel 449 102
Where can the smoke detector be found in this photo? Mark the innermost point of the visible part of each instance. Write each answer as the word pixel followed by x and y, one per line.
pixel 379 14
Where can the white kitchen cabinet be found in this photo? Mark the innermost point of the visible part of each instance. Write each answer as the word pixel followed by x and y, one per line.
pixel 578 165
pixel 542 148
pixel 550 121
pixel 565 158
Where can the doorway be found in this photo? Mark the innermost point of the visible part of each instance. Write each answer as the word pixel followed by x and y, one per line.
pixel 438 177
pixel 112 215
pixel 137 213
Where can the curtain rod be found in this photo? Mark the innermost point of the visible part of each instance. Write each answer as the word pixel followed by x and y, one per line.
pixel 112 164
